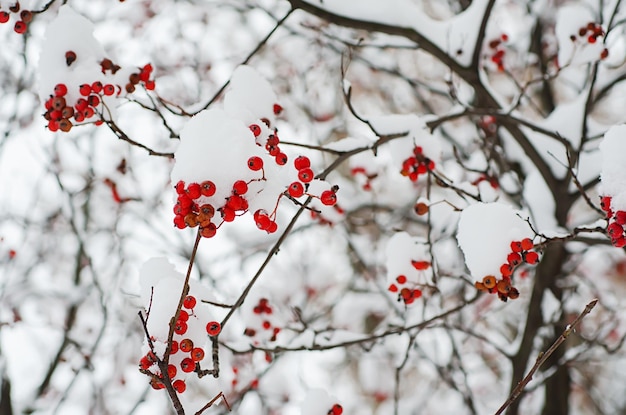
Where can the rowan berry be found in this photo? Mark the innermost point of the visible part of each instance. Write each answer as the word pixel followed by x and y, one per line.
pixel 194 190
pixel 489 281
pixel 620 217
pixel 255 163
pixel 336 410
pixel 262 220
pixel 277 109
pixel 272 228
pixel 296 189
pixel 4 17
pixel 208 231
pixel 20 27
pixel 187 365
pixel 67 112
pixel 421 208
pixel 65 125
pixel 506 270
pixel 180 187
pixel 197 354
pixel 179 385
pixel 108 90
pixel 503 286
pixel 81 105
pixel 305 175
pixel 281 159
pixel 328 197
pixel 185 345
pixel 240 187
pixel 171 371
pixel 183 315
pixel 207 188
pixel 514 259
pixel 420 265
pixel 302 162
pixel 156 384
pixel 213 328
pixel 526 244
pixel 174 348
pixel 70 55
pixel 256 130
pixel 189 302
pixel 145 363
pixel 516 246
pixel 531 257
pixel 180 327
pixel 60 90
pixel 513 293
pixel 93 100
pixel 401 279
pixel 15 8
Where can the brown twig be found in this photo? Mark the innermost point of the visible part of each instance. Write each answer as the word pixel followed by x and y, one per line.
pixel 543 356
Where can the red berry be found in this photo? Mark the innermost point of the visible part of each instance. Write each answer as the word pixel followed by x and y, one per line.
pixel 60 90
pixel 53 125
pixel 186 345
pixel 194 190
pixel 180 187
pixel 96 87
pixel 150 85
pixel 183 315
pixel 277 109
pixel 171 371
pixel 514 258
pixel 228 214
pixel 208 231
pixel 189 302
pixel 393 288
pixel 197 354
pixel 180 327
pixel 420 265
pixel 255 163
pixel 20 27
pixel 302 162
pixel 272 228
pixel 4 17
pixel 93 100
pixel 281 159
pixel 174 348
pixel 531 257
pixel 305 175
pixel 85 90
pixel 179 222
pixel 70 56
pixel 207 188
pixel 108 90
pixel 262 220
pixel 240 187
pixel 213 328
pixel 81 105
pixel 296 189
pixel 328 197
pixel 187 365
pixel 336 410
pixel 620 217
pixel 591 39
pixel 401 279
pixel 506 270
pixel 179 385
pixel 256 130
pixel 526 244
pixel 619 242
pixel 516 246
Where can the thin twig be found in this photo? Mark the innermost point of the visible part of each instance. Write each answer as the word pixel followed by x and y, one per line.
pixel 543 356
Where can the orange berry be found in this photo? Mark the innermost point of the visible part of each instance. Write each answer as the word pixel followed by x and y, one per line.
pixel 489 281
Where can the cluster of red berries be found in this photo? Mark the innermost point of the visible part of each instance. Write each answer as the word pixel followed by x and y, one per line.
pixel 590 34
pixel 367 186
pixel 190 213
pixel 335 410
pixel 498 51
pixel 25 17
pixel 263 308
pixel 60 113
pixel 272 141
pixel 143 77
pixel 405 293
pixel 192 354
pixel 416 165
pixel 521 251
pixel 616 227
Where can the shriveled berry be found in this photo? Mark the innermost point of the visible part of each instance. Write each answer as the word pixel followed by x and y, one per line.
pixel 70 55
pixel 421 208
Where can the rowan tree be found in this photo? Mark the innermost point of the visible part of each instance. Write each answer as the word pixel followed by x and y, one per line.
pixel 312 207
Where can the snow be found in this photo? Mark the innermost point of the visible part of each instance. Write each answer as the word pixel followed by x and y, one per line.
pixel 613 174
pixel 317 402
pixel 485 233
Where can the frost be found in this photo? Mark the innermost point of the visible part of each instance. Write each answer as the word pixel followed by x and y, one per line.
pixel 485 233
